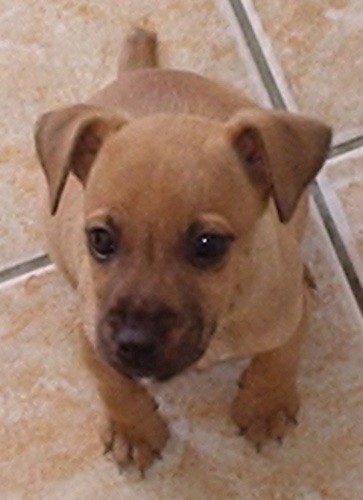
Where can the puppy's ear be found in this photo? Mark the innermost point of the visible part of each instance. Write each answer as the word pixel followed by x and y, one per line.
pixel 282 152
pixel 68 140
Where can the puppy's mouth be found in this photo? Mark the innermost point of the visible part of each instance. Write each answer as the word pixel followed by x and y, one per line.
pixel 160 373
pixel 165 362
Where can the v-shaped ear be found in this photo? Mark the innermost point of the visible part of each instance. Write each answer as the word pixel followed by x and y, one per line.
pixel 281 151
pixel 68 140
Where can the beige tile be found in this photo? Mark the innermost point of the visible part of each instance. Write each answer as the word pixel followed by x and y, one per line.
pixel 351 198
pixel 56 52
pixel 20 233
pixel 44 390
pixel 49 413
pixel 342 183
pixel 318 47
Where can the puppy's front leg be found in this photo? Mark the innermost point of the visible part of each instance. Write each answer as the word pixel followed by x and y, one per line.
pixel 135 431
pixel 267 398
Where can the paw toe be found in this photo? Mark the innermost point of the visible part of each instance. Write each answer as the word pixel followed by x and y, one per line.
pixel 277 425
pixel 121 451
pixel 257 433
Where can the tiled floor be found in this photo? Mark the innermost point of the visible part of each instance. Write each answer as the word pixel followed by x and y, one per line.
pixel 303 55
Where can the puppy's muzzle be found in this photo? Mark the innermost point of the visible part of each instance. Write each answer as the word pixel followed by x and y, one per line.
pixel 142 336
pixel 136 340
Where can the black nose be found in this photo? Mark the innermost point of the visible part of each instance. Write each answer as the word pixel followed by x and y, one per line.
pixel 136 346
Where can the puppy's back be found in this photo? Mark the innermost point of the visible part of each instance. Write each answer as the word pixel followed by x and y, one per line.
pixel 146 91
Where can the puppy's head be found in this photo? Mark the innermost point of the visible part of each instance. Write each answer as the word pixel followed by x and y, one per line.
pixel 171 203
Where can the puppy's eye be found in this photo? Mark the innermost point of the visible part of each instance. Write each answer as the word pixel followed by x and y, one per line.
pixel 101 243
pixel 208 249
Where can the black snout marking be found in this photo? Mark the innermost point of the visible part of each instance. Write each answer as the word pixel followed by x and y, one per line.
pixel 146 315
pixel 142 336
pixel 135 345
pixel 138 330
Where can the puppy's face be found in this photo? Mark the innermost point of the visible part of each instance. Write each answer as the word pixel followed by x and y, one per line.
pixel 169 215
pixel 171 207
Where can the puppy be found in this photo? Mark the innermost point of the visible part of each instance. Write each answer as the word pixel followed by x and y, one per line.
pixel 175 208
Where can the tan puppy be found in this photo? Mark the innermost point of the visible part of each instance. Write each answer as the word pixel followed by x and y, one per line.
pixel 174 211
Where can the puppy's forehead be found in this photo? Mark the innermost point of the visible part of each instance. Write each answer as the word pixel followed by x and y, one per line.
pixel 163 163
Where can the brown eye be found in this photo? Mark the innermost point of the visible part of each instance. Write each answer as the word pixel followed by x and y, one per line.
pixel 208 249
pixel 101 243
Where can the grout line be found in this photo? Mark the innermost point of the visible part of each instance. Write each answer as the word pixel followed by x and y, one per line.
pixel 338 245
pixel 253 44
pixel 278 101
pixel 276 96
pixel 346 146
pixel 23 268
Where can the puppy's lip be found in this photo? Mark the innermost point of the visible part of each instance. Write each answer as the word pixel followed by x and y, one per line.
pixel 143 374
pixel 130 371
pixel 165 372
pixel 157 373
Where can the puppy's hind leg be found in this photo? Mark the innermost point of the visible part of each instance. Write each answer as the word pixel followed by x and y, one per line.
pixel 139 51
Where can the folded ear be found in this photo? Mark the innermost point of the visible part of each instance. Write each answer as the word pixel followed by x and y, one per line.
pixel 68 140
pixel 282 152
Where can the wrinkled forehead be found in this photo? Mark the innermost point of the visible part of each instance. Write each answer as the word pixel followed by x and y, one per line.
pixel 158 165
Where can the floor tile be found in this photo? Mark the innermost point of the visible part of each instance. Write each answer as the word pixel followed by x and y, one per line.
pixel 20 233
pixel 317 45
pixel 49 413
pixel 57 52
pixel 342 184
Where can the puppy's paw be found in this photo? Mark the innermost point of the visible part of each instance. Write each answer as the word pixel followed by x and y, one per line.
pixel 138 444
pixel 263 413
